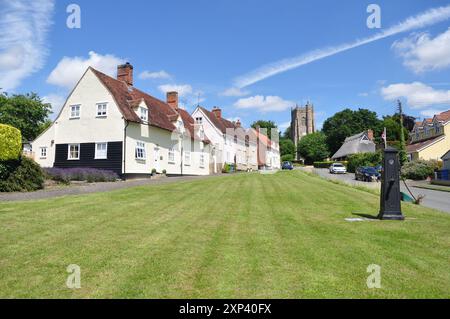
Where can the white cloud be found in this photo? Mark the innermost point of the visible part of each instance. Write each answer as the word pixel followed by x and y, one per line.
pixel 363 94
pixel 264 103
pixel 154 75
pixel 24 27
pixel 417 94
pixel 70 69
pixel 182 89
pixel 57 102
pixel 283 126
pixel 234 92
pixel 421 20
pixel 422 53
pixel 430 112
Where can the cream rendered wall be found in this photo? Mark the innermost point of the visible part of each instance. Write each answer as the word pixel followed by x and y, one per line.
pixel 88 128
pixel 46 139
pixel 157 144
pixel 437 150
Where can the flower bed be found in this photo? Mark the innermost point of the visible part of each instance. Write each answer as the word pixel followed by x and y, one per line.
pixel 90 175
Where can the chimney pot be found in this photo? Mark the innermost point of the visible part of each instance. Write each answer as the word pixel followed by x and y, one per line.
pixel 125 73
pixel 217 112
pixel 172 99
pixel 370 134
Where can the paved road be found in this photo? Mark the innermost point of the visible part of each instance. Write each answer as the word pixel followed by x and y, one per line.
pixel 434 199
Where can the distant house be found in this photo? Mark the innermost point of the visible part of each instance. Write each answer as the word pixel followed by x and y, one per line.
pixel 268 151
pixel 446 160
pixel 359 143
pixel 430 139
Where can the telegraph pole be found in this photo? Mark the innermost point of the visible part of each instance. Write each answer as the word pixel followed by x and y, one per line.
pixel 402 152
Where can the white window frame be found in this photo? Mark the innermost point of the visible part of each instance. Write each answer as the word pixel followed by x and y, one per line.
pixel 171 155
pixel 143 111
pixel 100 156
pixel 202 160
pixel 42 154
pixel 101 112
pixel 187 158
pixel 72 116
pixel 140 146
pixel 69 157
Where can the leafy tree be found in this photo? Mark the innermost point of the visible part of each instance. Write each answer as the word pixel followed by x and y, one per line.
pixel 287 147
pixel 313 147
pixel 28 113
pixel 287 133
pixel 269 125
pixel 347 123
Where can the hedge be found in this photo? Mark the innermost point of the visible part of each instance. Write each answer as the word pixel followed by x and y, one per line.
pixel 21 175
pixel 10 143
pixel 363 159
pixel 287 158
pixel 327 164
pixel 419 170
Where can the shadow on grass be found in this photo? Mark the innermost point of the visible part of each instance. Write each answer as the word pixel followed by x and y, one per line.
pixel 366 216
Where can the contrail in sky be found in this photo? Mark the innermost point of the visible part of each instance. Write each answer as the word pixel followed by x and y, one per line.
pixel 421 20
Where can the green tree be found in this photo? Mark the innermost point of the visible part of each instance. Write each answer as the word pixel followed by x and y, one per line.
pixel 287 147
pixel 28 113
pixel 287 133
pixel 313 147
pixel 269 125
pixel 347 123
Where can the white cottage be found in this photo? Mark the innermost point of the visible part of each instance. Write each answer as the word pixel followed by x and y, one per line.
pixel 109 124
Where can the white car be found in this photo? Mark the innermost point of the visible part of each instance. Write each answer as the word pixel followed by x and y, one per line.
pixel 337 168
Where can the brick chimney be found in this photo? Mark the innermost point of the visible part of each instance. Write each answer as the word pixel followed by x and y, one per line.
pixel 172 99
pixel 370 134
pixel 125 73
pixel 217 112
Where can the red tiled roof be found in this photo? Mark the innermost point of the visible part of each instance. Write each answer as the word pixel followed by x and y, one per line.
pixel 422 144
pixel 222 124
pixel 444 116
pixel 159 114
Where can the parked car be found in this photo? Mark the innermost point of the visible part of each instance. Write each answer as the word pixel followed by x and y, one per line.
pixel 367 174
pixel 287 165
pixel 338 168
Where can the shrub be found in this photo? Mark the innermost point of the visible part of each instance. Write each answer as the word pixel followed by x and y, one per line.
pixel 21 175
pixel 287 158
pixel 164 171
pixel 419 170
pixel 226 168
pixel 327 164
pixel 10 143
pixel 91 175
pixel 154 171
pixel 363 159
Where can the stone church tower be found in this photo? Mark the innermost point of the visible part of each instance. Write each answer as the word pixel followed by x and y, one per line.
pixel 302 122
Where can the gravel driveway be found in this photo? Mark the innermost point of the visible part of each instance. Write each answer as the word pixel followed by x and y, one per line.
pixel 75 189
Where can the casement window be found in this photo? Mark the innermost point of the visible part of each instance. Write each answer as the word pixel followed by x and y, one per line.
pixel 199 120
pixel 235 139
pixel 438 129
pixel 75 111
pixel 202 160
pixel 102 109
pixel 43 152
pixel 140 151
pixel 202 134
pixel 187 158
pixel 73 152
pixel 144 114
pixel 172 155
pixel 101 150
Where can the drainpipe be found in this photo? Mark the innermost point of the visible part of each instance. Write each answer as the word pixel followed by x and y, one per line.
pixel 125 146
pixel 182 143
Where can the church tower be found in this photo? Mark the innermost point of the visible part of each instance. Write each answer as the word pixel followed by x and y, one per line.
pixel 302 123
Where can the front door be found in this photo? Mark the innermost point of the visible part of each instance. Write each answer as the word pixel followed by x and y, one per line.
pixel 156 157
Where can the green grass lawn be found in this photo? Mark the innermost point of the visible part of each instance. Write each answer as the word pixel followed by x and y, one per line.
pixel 241 236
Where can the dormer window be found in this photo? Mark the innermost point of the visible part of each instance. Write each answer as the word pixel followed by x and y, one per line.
pixel 143 114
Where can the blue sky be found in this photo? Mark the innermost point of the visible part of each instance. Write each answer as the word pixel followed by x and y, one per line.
pixel 204 47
